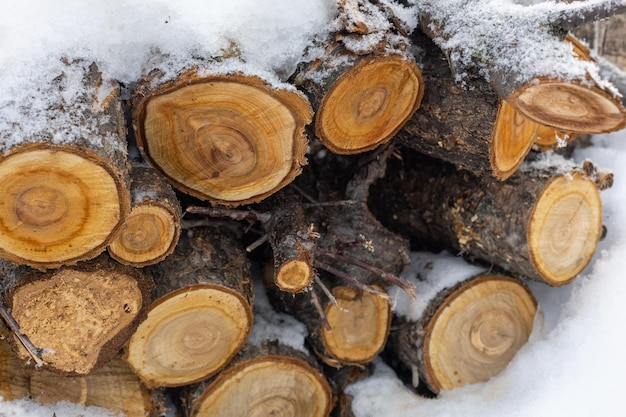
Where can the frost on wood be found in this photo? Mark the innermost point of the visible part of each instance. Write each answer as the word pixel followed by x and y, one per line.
pixel 519 50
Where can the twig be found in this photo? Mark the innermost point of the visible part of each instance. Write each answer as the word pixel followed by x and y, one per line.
pixel 249 215
pixel 324 288
pixel 348 278
pixel 394 279
pixel 33 351
pixel 256 243
pixel 318 306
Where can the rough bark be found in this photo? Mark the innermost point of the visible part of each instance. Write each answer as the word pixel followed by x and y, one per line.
pixel 152 229
pixel 202 310
pixel 270 379
pixel 469 126
pixel 64 175
pixel 230 139
pixel 566 95
pixel 468 332
pixel 542 223
pixel 81 315
pixel 364 83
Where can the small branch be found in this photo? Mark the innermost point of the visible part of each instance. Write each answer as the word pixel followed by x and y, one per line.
pixel 249 215
pixel 318 306
pixel 33 351
pixel 256 243
pixel 394 279
pixel 324 288
pixel 572 15
pixel 348 278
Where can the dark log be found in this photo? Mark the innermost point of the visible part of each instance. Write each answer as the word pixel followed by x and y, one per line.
pixel 469 126
pixel 543 223
pixel 201 312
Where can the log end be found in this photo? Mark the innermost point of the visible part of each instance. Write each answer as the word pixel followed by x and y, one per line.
pixel 369 104
pixel 149 234
pixel 513 136
pixel 570 106
pixel 264 386
pixel 476 331
pixel 59 206
pixel 189 334
pixel 81 317
pixel 228 139
pixel 359 325
pixel 564 228
pixel 294 275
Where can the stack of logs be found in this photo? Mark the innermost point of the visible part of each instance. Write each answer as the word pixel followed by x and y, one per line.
pixel 117 299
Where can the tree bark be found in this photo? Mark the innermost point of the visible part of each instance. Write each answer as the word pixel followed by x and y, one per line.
pixel 270 379
pixel 63 170
pixel 464 330
pixel 364 84
pixel 230 139
pixel 542 223
pixel 564 95
pixel 152 229
pixel 81 315
pixel 468 126
pixel 201 314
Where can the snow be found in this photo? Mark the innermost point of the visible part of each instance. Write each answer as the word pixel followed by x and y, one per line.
pixel 573 364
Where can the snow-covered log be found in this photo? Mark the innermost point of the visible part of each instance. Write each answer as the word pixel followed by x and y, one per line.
pixel 543 223
pixel 466 326
pixel 63 168
pixel 469 126
pixel 363 82
pixel 519 51
pixel 218 134
pixel 201 312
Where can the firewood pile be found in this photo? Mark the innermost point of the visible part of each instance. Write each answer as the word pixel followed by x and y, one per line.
pixel 133 241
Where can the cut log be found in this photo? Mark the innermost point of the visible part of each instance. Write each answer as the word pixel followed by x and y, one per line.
pixel 527 64
pixel 472 127
pixel 263 380
pixel 114 386
pixel 461 332
pixel 353 329
pixel 543 223
pixel 151 230
pixel 63 170
pixel 201 314
pixel 81 315
pixel 230 139
pixel 365 84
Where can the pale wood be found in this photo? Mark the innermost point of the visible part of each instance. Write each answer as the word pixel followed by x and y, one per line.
pixel 230 139
pixel 65 194
pixel 268 380
pixel 13 378
pixel 81 315
pixel 152 228
pixel 468 333
pixel 201 314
